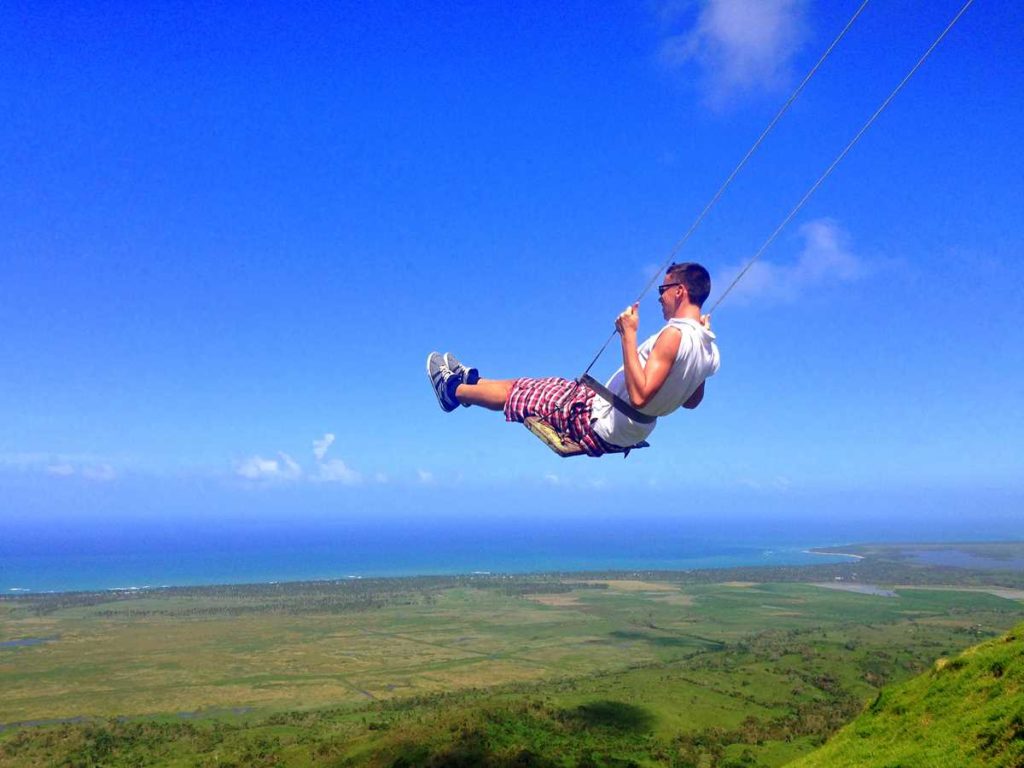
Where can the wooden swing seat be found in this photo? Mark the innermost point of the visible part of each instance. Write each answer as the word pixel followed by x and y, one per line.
pixel 563 445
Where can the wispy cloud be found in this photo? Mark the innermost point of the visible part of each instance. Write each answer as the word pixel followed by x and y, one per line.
pixel 257 468
pixel 336 471
pixel 320 446
pixel 425 477
pixel 738 47
pixel 825 259
pixel 85 466
pixel 284 468
pixel 100 472
pixel 332 470
pixel 779 483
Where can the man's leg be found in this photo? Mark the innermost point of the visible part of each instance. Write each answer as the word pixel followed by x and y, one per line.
pixel 488 393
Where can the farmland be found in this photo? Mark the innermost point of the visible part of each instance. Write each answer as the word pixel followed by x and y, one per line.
pixel 648 668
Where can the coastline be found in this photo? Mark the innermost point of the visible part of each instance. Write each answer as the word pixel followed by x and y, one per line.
pixel 833 554
pixel 118 574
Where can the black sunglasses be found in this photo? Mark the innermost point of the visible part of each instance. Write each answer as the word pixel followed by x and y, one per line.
pixel 665 287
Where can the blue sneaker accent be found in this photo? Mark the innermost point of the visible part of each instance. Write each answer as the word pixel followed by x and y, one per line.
pixel 443 381
pixel 464 374
pixel 469 375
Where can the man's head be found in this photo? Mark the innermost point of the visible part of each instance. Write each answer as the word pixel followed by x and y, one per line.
pixel 686 284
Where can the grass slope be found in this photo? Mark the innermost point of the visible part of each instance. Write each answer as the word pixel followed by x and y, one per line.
pixel 966 711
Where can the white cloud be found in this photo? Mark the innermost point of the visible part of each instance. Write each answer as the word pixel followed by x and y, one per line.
pixel 380 477
pixel 85 466
pixel 100 472
pixel 552 478
pixel 739 46
pixel 825 259
pixel 320 446
pixel 336 471
pixel 780 483
pixel 256 467
pixel 283 467
pixel 289 467
pixel 425 477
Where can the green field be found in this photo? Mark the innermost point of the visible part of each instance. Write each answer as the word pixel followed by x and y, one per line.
pixel 603 669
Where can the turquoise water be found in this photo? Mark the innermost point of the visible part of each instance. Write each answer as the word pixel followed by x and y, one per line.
pixel 178 555
pixel 129 570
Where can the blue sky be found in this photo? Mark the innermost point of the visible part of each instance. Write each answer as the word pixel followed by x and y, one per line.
pixel 229 232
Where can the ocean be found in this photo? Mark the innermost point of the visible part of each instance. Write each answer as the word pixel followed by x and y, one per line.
pixel 151 554
pixel 91 555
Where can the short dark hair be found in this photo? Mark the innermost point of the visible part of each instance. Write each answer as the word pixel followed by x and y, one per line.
pixel 695 278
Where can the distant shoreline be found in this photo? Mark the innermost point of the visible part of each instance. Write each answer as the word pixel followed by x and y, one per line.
pixel 333 582
pixel 123 572
pixel 833 554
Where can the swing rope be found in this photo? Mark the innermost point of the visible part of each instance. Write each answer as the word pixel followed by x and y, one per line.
pixel 841 155
pixel 739 166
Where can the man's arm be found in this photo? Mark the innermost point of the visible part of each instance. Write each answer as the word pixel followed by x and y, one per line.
pixel 643 382
pixel 695 398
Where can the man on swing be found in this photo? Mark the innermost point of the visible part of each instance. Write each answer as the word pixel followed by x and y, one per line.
pixel 664 372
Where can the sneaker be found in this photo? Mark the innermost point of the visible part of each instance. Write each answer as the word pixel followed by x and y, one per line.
pixel 443 381
pixel 469 375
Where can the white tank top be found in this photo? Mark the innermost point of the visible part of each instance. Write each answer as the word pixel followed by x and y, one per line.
pixel 696 360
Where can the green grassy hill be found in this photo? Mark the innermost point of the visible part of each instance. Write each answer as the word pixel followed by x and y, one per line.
pixel 966 711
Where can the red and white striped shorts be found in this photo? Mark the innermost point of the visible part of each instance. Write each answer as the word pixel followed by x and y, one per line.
pixel 544 398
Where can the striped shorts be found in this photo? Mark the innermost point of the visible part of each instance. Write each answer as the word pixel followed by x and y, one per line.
pixel 544 398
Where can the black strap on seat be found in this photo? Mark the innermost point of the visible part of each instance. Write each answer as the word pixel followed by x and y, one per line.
pixel 619 404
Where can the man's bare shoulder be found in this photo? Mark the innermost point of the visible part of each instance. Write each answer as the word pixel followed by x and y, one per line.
pixel 669 339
